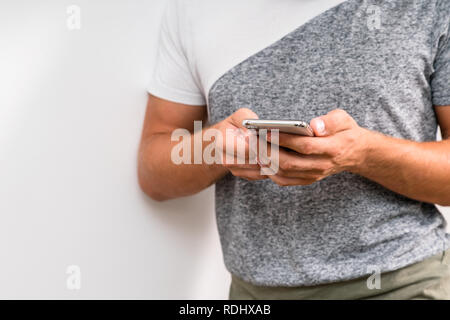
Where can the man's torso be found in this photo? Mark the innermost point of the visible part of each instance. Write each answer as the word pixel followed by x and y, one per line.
pixel 373 59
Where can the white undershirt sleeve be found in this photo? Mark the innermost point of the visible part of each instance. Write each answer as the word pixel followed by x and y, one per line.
pixel 172 77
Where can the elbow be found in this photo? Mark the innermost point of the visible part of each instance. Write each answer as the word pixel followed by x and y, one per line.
pixel 156 196
pixel 150 190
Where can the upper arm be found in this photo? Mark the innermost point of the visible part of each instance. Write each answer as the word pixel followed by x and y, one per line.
pixel 164 116
pixel 443 116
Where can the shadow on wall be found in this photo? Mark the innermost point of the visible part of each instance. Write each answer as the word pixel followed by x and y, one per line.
pixel 195 262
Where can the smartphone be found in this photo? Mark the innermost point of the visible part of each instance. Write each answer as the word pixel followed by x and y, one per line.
pixel 286 126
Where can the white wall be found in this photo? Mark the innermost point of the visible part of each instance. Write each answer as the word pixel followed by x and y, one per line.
pixel 71 110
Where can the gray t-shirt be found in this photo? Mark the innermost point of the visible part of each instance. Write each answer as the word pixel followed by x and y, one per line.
pixel 387 74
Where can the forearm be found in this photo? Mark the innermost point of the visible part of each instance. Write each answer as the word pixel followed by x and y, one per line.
pixel 162 179
pixel 417 170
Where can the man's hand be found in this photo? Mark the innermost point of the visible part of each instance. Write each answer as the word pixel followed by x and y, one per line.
pixel 239 134
pixel 339 144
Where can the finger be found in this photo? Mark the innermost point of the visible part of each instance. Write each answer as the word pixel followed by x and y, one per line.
pixel 239 147
pixel 248 174
pixel 331 123
pixel 294 165
pixel 236 166
pixel 285 182
pixel 306 145
pixel 240 115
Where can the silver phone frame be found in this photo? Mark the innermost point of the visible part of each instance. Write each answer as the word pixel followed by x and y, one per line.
pixel 285 126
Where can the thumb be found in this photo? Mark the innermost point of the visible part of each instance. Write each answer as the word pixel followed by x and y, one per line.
pixel 240 115
pixel 332 123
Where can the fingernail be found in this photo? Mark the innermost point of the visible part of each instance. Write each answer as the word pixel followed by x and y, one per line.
pixel 320 126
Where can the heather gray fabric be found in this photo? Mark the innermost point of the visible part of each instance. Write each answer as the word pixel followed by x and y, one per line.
pixel 387 79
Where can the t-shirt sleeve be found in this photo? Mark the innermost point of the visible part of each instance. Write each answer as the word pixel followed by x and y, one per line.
pixel 440 80
pixel 172 77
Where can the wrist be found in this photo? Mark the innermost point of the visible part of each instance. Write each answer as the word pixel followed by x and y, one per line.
pixel 367 143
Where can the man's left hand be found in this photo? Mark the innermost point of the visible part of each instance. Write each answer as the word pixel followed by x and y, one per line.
pixel 339 145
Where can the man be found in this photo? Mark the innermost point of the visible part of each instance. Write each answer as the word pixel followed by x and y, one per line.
pixel 356 199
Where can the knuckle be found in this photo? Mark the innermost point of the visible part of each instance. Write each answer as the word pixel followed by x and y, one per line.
pixel 340 111
pixel 243 110
pixel 245 113
pixel 340 114
pixel 306 148
pixel 350 141
pixel 286 165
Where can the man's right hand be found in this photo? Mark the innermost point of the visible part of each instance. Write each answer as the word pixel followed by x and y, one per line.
pixel 162 179
pixel 232 132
